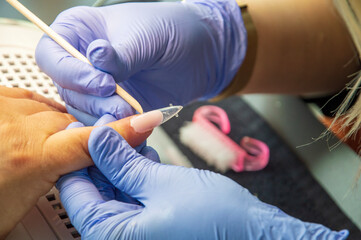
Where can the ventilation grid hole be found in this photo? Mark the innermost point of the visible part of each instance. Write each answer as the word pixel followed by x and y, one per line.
pixel 9 78
pixel 4 70
pixel 11 63
pixel 45 91
pixel 22 77
pixel 17 55
pixel 75 234
pixel 57 206
pixel 40 84
pixel 1 64
pixel 68 225
pixel 23 63
pixel 29 70
pixel 63 215
pixel 6 55
pixel 15 85
pixel 16 70
pixel 34 77
pixel 29 56
pixel 27 84
pixel 50 197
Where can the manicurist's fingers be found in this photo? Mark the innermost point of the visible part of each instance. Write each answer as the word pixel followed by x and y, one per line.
pixel 126 169
pixel 86 191
pixel 79 76
pixel 97 106
pixel 83 202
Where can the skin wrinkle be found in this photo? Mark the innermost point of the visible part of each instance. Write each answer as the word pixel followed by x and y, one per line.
pixel 20 158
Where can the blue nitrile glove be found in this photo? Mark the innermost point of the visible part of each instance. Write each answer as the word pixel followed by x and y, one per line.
pixel 85 118
pixel 160 53
pixel 102 183
pixel 169 202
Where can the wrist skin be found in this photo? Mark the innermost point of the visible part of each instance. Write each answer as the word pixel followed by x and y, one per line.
pixel 301 47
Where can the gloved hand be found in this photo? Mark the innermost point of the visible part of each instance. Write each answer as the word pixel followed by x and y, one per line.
pixel 160 53
pixel 168 202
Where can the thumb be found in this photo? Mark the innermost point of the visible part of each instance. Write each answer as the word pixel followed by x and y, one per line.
pixel 125 59
pixel 104 57
pixel 78 76
pixel 68 149
pixel 126 169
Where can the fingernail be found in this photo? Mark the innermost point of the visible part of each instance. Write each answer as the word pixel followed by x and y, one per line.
pixel 147 121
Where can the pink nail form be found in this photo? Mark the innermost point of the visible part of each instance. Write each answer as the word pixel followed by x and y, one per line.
pixel 251 154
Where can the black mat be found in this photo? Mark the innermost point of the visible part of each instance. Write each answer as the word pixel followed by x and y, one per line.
pixel 285 182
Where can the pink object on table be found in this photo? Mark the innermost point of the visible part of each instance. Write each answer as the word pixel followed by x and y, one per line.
pixel 250 155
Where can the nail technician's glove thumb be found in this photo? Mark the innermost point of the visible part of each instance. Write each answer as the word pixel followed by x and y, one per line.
pixel 160 53
pixel 171 202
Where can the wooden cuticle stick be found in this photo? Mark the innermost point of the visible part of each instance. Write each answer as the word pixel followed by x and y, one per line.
pixel 69 48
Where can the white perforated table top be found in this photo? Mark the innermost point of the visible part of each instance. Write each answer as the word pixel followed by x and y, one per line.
pixel 17 62
pixel 18 69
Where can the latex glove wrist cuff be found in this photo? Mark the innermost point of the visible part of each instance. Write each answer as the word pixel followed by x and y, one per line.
pixel 245 71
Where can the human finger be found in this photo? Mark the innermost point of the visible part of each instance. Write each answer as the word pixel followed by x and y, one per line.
pixel 119 162
pixel 85 118
pixel 105 58
pixel 143 149
pixel 106 189
pixel 84 203
pixel 97 106
pixel 69 148
pixel 23 107
pixel 20 93
pixel 105 119
pixel 77 185
pixel 68 71
pixel 150 153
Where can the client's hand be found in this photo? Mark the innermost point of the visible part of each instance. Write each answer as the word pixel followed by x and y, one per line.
pixel 36 149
